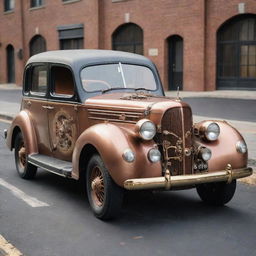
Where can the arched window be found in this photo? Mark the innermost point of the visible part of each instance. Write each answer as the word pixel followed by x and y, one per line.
pixel 37 44
pixel 175 61
pixel 128 38
pixel 10 61
pixel 236 64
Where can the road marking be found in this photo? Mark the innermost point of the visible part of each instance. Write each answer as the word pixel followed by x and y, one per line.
pixel 7 249
pixel 31 201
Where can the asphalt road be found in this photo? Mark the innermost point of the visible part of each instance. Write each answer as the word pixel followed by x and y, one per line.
pixel 13 96
pixel 162 223
pixel 233 109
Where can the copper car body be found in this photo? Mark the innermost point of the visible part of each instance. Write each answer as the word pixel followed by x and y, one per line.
pixel 72 129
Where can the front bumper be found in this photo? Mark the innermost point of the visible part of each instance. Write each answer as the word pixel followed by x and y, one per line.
pixel 168 182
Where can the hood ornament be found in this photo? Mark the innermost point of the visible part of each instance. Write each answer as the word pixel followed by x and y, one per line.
pixel 178 94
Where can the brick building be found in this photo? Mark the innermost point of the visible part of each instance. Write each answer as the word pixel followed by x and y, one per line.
pixel 196 44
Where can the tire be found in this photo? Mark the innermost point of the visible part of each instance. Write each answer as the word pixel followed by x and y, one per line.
pixel 217 193
pixel 24 169
pixel 104 195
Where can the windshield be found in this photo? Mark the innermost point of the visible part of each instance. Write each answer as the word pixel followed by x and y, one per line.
pixel 111 76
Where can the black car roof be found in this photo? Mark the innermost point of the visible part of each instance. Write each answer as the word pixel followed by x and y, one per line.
pixel 79 58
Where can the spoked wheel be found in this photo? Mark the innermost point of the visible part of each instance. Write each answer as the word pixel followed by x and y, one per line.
pixel 24 169
pixel 104 195
pixel 219 193
pixel 97 186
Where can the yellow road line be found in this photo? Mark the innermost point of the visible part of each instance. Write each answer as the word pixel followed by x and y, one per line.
pixel 8 248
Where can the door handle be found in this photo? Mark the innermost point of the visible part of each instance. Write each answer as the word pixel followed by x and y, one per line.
pixel 48 107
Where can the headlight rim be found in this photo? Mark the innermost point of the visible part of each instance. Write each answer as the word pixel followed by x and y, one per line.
pixel 238 148
pixel 139 126
pixel 150 157
pixel 206 131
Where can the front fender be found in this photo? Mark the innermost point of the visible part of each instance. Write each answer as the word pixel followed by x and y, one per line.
pixel 23 123
pixel 224 149
pixel 111 141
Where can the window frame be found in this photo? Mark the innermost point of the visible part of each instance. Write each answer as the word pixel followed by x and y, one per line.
pixel 7 6
pixel 28 81
pixel 37 4
pixel 61 97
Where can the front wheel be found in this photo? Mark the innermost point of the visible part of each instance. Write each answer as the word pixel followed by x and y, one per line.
pixel 219 193
pixel 104 195
pixel 24 169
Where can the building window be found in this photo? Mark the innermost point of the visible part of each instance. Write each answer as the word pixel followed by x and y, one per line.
pixel 71 36
pixel 9 5
pixel 128 38
pixel 36 45
pixel 237 53
pixel 10 59
pixel 36 3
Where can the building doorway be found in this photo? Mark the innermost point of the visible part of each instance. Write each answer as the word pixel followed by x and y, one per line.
pixel 236 57
pixel 36 45
pixel 10 61
pixel 128 38
pixel 175 67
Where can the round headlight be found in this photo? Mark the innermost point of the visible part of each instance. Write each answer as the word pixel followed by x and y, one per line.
pixel 129 156
pixel 212 132
pixel 241 147
pixel 154 155
pixel 205 153
pixel 147 129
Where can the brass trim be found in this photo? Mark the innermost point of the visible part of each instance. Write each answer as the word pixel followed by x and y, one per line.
pixel 168 182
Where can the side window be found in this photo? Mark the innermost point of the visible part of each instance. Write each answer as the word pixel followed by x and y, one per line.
pixel 62 81
pixel 39 80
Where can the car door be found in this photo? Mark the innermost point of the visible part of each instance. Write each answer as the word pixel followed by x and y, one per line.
pixel 35 102
pixel 62 112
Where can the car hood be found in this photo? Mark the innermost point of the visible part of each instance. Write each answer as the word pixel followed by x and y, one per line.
pixel 133 101
pixel 131 107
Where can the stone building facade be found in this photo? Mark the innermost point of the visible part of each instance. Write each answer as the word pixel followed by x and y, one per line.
pixel 196 44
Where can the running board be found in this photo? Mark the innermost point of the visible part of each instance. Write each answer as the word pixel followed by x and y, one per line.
pixel 51 164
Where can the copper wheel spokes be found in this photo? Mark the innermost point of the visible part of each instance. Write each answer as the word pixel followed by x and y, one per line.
pixel 97 186
pixel 22 155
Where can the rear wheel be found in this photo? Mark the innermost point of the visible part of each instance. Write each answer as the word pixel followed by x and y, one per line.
pixel 217 193
pixel 24 169
pixel 104 195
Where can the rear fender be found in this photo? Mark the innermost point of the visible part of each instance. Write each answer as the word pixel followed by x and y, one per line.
pixel 22 123
pixel 111 141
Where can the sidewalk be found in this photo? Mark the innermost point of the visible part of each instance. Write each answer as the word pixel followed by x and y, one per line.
pixel 8 111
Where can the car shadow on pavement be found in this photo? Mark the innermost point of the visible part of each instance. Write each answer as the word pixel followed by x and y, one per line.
pixel 144 207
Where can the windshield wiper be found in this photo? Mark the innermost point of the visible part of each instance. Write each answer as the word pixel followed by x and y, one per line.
pixel 114 88
pixel 141 88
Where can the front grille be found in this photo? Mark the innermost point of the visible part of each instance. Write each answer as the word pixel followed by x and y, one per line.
pixel 176 140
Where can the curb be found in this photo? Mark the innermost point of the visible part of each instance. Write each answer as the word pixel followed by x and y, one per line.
pixel 6 117
pixel 251 162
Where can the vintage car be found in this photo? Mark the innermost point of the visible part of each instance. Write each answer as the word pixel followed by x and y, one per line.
pixel 101 116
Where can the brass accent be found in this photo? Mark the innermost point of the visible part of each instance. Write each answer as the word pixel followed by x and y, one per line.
pixel 64 132
pixel 115 116
pixel 122 117
pixel 186 180
pixel 188 134
pixel 48 107
pixel 167 179
pixel 29 103
pixel 187 151
pixel 229 171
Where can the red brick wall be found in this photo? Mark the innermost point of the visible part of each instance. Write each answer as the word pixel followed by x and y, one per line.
pixel 196 21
